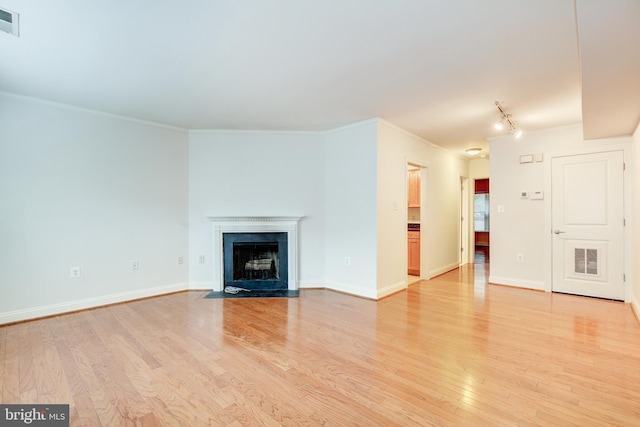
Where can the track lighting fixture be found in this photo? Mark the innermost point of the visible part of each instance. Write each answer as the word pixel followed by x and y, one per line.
pixel 505 120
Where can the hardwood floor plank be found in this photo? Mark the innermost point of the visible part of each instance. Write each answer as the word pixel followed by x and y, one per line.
pixel 3 358
pixel 188 403
pixel 27 340
pixel 451 351
pixel 148 420
pixel 111 320
pixel 51 380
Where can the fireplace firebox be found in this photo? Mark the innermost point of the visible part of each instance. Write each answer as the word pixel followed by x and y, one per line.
pixel 256 261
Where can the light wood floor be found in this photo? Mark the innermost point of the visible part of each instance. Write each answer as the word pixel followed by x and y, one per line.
pixel 450 351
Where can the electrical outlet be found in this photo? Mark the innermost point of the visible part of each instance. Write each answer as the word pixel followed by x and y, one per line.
pixel 180 260
pixel 347 260
pixel 520 258
pixel 75 272
pixel 201 259
pixel 135 265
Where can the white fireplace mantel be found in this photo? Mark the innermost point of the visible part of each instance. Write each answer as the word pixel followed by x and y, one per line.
pixel 255 224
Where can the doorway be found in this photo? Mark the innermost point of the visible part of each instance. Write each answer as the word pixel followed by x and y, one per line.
pixel 415 179
pixel 464 222
pixel 481 220
pixel 588 224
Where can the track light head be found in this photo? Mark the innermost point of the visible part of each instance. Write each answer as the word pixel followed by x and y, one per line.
pixel 505 119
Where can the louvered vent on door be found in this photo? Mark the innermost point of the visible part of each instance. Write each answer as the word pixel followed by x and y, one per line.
pixel 586 261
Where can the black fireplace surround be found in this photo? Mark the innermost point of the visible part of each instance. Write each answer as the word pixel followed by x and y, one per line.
pixel 256 261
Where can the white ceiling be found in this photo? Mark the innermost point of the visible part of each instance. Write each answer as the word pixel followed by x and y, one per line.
pixel 434 68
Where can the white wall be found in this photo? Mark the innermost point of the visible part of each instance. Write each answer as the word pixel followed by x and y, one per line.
pixel 440 206
pixel 524 226
pixel 479 168
pixel 635 248
pixel 255 174
pixel 84 189
pixel 350 177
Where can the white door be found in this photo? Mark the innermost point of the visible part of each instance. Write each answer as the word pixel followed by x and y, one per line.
pixel 588 224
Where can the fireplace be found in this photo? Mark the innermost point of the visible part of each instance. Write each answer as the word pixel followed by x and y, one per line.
pixel 255 252
pixel 255 261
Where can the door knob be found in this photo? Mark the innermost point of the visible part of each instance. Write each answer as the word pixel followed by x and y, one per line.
pixel 558 231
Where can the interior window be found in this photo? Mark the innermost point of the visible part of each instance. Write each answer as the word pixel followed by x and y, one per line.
pixel 481 212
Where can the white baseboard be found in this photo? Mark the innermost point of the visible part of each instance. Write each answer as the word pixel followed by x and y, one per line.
pixel 311 284
pixel 200 285
pixel 86 303
pixel 635 306
pixel 444 269
pixel 518 283
pixel 351 289
pixel 354 290
pixel 392 289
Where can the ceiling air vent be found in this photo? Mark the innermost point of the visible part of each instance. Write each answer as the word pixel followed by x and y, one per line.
pixel 9 22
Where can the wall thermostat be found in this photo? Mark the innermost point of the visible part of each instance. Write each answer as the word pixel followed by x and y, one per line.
pixel 526 158
pixel 537 195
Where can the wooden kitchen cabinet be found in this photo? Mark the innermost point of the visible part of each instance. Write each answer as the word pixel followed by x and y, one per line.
pixel 413 253
pixel 414 189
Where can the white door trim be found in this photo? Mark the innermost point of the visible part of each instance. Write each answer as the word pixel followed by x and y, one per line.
pixel 424 225
pixel 465 212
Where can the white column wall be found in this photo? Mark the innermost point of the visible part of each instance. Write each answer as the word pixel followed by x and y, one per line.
pixel 350 207
pixel 89 190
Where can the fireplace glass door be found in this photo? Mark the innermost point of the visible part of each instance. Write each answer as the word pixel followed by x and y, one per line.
pixel 255 260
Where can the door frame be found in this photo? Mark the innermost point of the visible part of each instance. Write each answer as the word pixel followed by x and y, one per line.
pixel 472 224
pixel 465 213
pixel 424 169
pixel 627 197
